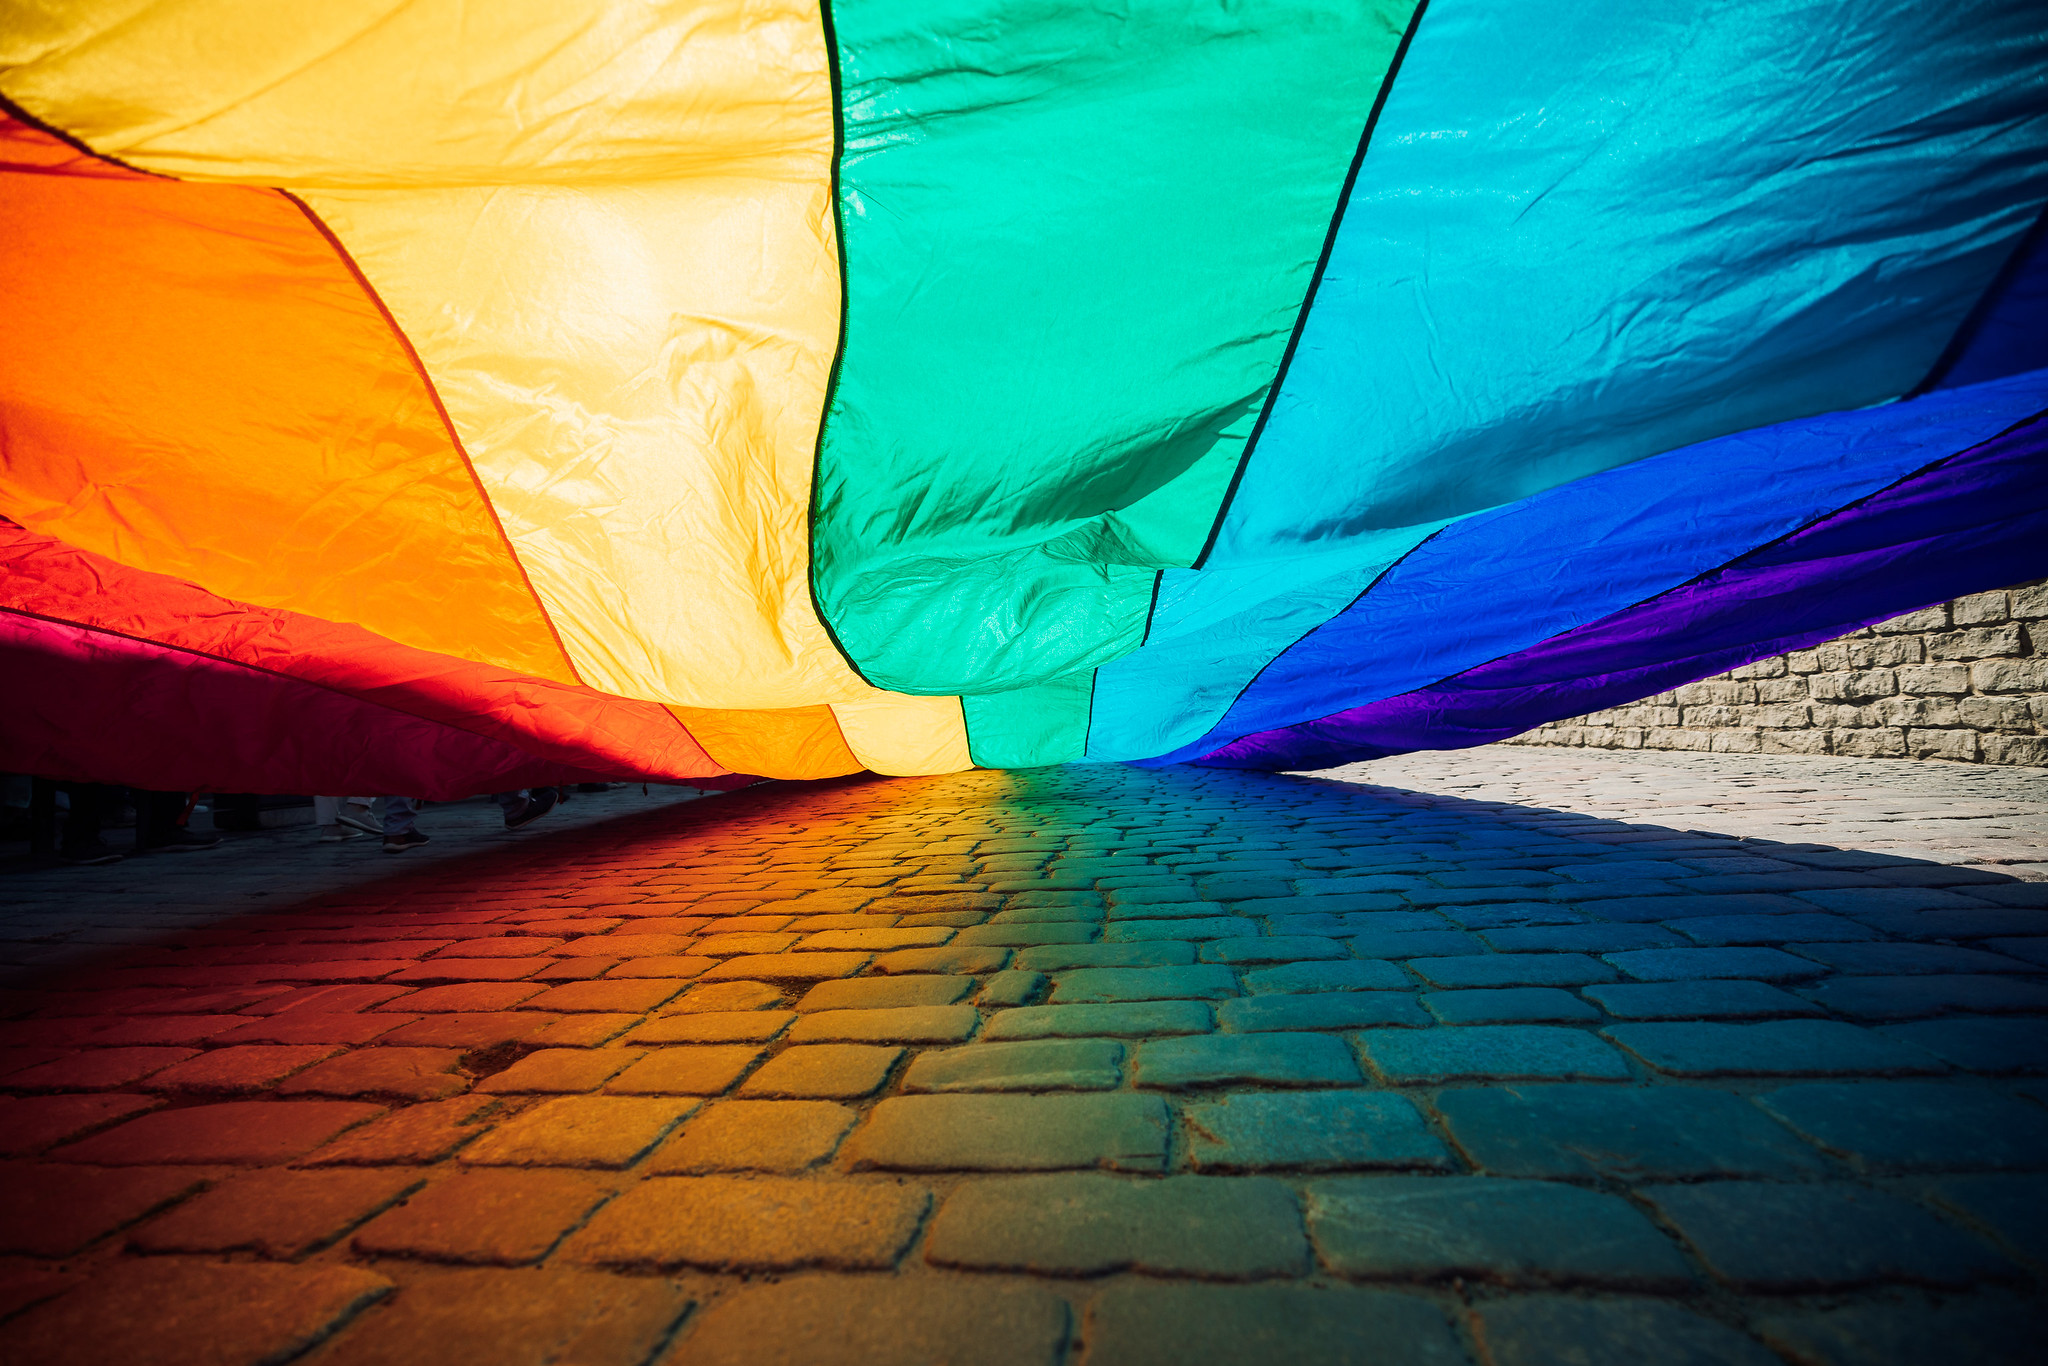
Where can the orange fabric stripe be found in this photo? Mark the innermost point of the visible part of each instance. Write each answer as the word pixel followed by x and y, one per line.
pixel 793 742
pixel 195 383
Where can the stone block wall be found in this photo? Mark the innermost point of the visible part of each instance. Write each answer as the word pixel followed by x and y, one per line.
pixel 1965 681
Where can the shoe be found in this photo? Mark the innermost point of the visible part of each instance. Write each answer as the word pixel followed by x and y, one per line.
pixel 334 834
pixel 180 842
pixel 365 823
pixel 87 855
pixel 532 808
pixel 398 844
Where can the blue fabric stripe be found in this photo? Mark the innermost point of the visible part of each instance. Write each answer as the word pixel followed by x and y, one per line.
pixel 1213 630
pixel 1503 580
pixel 2010 336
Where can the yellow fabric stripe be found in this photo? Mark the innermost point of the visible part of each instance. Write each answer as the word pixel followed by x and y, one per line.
pixel 607 231
pixel 905 736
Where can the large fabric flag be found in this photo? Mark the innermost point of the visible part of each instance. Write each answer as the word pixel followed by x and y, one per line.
pixel 419 396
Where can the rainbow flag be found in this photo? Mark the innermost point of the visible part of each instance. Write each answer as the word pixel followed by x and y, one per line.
pixel 428 397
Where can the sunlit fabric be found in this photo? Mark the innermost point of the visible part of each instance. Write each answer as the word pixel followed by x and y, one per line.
pixel 436 396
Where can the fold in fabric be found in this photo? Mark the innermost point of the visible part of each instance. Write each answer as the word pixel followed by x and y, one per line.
pixel 1978 517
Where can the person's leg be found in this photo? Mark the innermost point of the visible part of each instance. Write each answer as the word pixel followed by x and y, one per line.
pixel 159 823
pixel 400 833
pixel 42 819
pixel 399 816
pixel 327 816
pixel 354 813
pixel 527 807
pixel 81 842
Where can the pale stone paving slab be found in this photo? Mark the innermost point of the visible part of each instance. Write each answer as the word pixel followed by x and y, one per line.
pixel 1031 1066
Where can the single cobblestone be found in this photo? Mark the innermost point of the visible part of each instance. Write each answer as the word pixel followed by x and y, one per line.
pixel 1509 1005
pixel 1698 1000
pixel 1323 1010
pixel 1623 1134
pixel 1084 1224
pixel 2013 1209
pixel 1321 1131
pixel 1910 998
pixel 1979 1043
pixel 55 1211
pixel 708 1070
pixel 492 1218
pixel 515 1316
pixel 278 1213
pixel 1539 1330
pixel 32 1123
pixel 560 1071
pixel 1798 1048
pixel 236 1312
pixel 1304 977
pixel 1167 1325
pixel 1255 1060
pixel 1490 1052
pixel 1916 1126
pixel 842 1321
pixel 1994 1332
pixel 784 1136
pixel 1485 1228
pixel 1139 1020
pixel 824 1071
pixel 1680 965
pixel 1090 985
pixel 908 1024
pixel 1047 1065
pixel 1782 1237
pixel 578 1131
pixel 237 1132
pixel 763 1223
pixel 416 1134
pixel 1012 1133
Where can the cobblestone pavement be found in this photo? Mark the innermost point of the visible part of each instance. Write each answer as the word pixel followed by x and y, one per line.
pixel 1092 1065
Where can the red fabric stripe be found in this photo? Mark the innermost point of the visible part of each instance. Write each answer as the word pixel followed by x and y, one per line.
pixel 211 693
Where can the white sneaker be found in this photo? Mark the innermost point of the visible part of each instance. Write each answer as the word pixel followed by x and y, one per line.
pixel 334 834
pixel 359 818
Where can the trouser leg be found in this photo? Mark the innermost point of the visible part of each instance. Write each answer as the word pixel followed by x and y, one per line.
pixel 89 802
pixel 156 817
pixel 399 814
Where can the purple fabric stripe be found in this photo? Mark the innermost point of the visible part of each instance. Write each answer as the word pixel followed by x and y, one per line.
pixel 1977 520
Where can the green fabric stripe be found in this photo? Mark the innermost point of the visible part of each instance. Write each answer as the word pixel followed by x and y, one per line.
pixel 1075 244
pixel 1030 727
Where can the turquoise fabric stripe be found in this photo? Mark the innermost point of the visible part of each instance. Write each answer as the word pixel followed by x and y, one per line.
pixel 1587 234
pixel 1213 630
